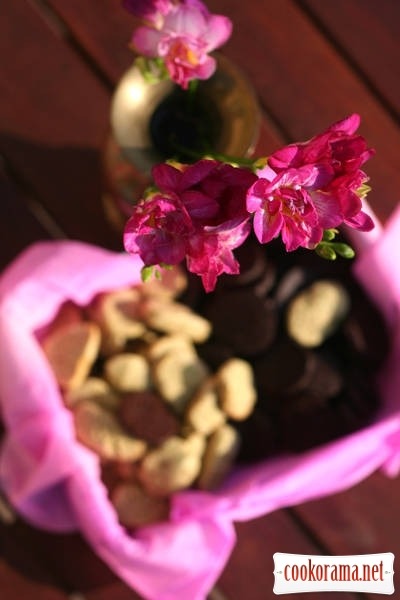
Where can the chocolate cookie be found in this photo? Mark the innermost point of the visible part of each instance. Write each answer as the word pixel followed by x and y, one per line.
pixel 146 416
pixel 242 320
pixel 286 369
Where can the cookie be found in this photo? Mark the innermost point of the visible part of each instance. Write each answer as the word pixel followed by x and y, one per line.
pixel 176 318
pixel 117 314
pixel 95 389
pixel 136 508
pixel 242 320
pixel 146 416
pixel 99 430
pixel 203 413
pixel 289 284
pixel 177 376
pixel 171 467
pixel 221 451
pixel 127 372
pixel 236 390
pixel 166 344
pixel 71 351
pixel 315 313
pixel 286 369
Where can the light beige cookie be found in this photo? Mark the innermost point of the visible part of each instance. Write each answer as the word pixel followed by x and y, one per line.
pixel 68 313
pixel 99 429
pixel 195 442
pixel 71 351
pixel 315 313
pixel 167 344
pixel 203 412
pixel 236 389
pixel 221 451
pixel 127 372
pixel 175 318
pixel 177 375
pixel 117 314
pixel 136 508
pixel 171 467
pixel 96 389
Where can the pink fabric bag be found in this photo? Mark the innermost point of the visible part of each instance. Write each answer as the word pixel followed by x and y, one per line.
pixel 53 481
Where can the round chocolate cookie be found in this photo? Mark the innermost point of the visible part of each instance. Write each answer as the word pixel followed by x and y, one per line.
pixel 289 284
pixel 242 320
pixel 214 353
pixel 258 437
pixel 366 333
pixel 326 380
pixel 301 430
pixel 286 369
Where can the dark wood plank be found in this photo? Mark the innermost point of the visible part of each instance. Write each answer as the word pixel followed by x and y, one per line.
pixel 250 572
pixel 367 33
pixel 67 557
pixel 114 591
pixel 22 575
pixel 363 520
pixel 103 33
pixel 54 115
pixel 18 226
pixel 14 586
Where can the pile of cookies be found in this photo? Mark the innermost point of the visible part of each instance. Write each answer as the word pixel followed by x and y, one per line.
pixel 142 398
pixel 314 339
pixel 171 386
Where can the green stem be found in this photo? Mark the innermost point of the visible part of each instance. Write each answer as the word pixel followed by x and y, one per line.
pixel 241 162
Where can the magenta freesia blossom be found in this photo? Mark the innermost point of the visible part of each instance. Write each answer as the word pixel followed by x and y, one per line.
pixel 199 213
pixel 183 40
pixel 202 212
pixel 309 187
pixel 152 11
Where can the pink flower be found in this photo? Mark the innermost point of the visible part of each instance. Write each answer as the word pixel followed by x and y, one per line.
pixel 198 214
pixel 184 40
pixel 158 230
pixel 309 187
pixel 338 147
pixel 152 11
pixel 284 206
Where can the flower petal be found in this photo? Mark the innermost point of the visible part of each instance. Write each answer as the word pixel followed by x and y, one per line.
pixel 219 29
pixel 166 177
pixel 361 221
pixel 328 209
pixel 145 41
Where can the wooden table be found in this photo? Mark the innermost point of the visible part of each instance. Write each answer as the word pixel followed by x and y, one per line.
pixel 311 62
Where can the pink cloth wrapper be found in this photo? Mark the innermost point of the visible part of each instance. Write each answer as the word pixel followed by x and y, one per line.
pixel 53 481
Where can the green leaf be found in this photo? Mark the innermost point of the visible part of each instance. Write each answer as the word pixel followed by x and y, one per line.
pixel 329 235
pixel 344 250
pixel 146 273
pixel 325 251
